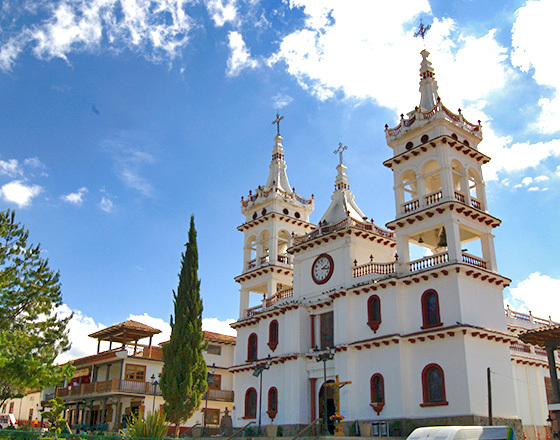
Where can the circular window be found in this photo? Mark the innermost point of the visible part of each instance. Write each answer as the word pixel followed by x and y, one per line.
pixel 263 212
pixel 425 138
pixel 409 145
pixel 297 215
pixel 285 211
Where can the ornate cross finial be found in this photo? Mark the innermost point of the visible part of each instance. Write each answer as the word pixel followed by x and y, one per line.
pixel 277 122
pixel 339 151
pixel 422 30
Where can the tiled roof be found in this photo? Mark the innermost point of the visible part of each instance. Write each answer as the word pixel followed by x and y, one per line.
pixel 127 331
pixel 549 335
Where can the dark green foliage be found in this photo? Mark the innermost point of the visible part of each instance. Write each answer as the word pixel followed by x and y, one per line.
pixel 54 413
pixel 31 334
pixel 152 426
pixel 183 381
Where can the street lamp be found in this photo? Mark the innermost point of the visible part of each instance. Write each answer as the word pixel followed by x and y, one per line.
pixel 209 380
pixel 324 357
pixel 155 383
pixel 258 373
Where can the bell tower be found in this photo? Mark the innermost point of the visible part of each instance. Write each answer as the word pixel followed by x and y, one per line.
pixel 441 207
pixel 273 214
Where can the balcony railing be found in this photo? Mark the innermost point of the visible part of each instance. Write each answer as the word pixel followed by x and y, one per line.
pixel 109 386
pixel 433 197
pixel 413 205
pixel 427 262
pixel 221 395
pixel 378 268
pixel 474 261
pixel 342 224
pixel 281 294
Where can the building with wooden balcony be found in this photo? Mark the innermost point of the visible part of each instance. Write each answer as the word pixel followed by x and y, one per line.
pixel 383 324
pixel 122 379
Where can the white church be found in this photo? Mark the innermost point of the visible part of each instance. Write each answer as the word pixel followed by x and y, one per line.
pixel 351 323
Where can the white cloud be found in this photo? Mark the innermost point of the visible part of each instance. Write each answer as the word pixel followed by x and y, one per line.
pixel 10 167
pixel 79 327
pixel 527 180
pixel 222 12
pixel 537 293
pixel 158 323
pixel 106 204
pixel 77 197
pixel 129 160
pixel 339 50
pixel 217 326
pixel 34 162
pixel 535 24
pixel 19 193
pixel 541 178
pixel 533 188
pixel 157 29
pixel 280 100
pixel 239 57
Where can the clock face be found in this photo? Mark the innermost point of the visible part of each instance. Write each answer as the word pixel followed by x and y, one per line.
pixel 322 269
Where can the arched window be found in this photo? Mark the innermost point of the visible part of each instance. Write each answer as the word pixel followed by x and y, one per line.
pixel 430 309
pixel 250 404
pixel 374 312
pixel 377 389
pixel 273 335
pixel 252 348
pixel 272 403
pixel 433 386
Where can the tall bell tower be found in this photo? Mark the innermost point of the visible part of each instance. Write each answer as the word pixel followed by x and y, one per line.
pixel 273 214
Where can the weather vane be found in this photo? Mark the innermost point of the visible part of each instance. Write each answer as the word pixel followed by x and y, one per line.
pixel 339 151
pixel 277 122
pixel 422 30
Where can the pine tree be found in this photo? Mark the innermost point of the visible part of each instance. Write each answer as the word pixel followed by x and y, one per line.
pixel 31 333
pixel 183 381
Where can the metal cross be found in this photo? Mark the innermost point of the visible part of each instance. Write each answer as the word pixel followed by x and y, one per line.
pixel 423 30
pixel 277 122
pixel 339 151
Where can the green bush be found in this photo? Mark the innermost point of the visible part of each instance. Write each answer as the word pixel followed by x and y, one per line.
pixel 153 426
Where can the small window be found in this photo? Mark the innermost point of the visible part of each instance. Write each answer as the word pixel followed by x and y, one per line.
pixel 216 383
pixel 272 403
pixel 374 312
pixel 430 309
pixel 250 404
pixel 252 348
pixel 11 407
pixel 212 416
pixel 433 386
pixel 377 390
pixel 214 349
pixel 135 372
pixel 273 335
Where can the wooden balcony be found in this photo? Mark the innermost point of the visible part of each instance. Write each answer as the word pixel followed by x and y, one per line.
pixel 219 395
pixel 113 386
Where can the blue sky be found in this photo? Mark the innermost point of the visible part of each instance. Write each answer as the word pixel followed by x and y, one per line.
pixel 119 119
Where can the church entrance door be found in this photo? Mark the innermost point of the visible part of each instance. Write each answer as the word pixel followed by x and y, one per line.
pixel 331 404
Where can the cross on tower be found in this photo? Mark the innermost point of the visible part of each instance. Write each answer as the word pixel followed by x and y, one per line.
pixel 277 122
pixel 422 30
pixel 339 151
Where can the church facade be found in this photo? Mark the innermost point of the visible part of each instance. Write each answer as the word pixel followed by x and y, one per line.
pixel 391 327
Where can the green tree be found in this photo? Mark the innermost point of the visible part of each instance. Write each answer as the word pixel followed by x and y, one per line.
pixel 31 333
pixel 54 413
pixel 183 381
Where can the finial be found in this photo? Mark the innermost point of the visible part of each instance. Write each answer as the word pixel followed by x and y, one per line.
pixel 277 122
pixel 422 30
pixel 340 150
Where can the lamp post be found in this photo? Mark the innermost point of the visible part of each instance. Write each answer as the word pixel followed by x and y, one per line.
pixel 155 383
pixel 258 373
pixel 324 357
pixel 209 380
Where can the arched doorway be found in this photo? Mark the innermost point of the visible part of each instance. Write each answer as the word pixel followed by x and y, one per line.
pixel 331 404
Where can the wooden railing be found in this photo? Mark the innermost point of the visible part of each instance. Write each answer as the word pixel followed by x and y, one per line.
pixel 221 395
pixel 368 268
pixel 108 386
pixel 430 261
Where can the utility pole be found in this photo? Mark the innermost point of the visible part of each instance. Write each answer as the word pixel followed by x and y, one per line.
pixel 490 418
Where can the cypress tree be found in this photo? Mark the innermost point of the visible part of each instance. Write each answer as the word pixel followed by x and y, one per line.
pixel 183 381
